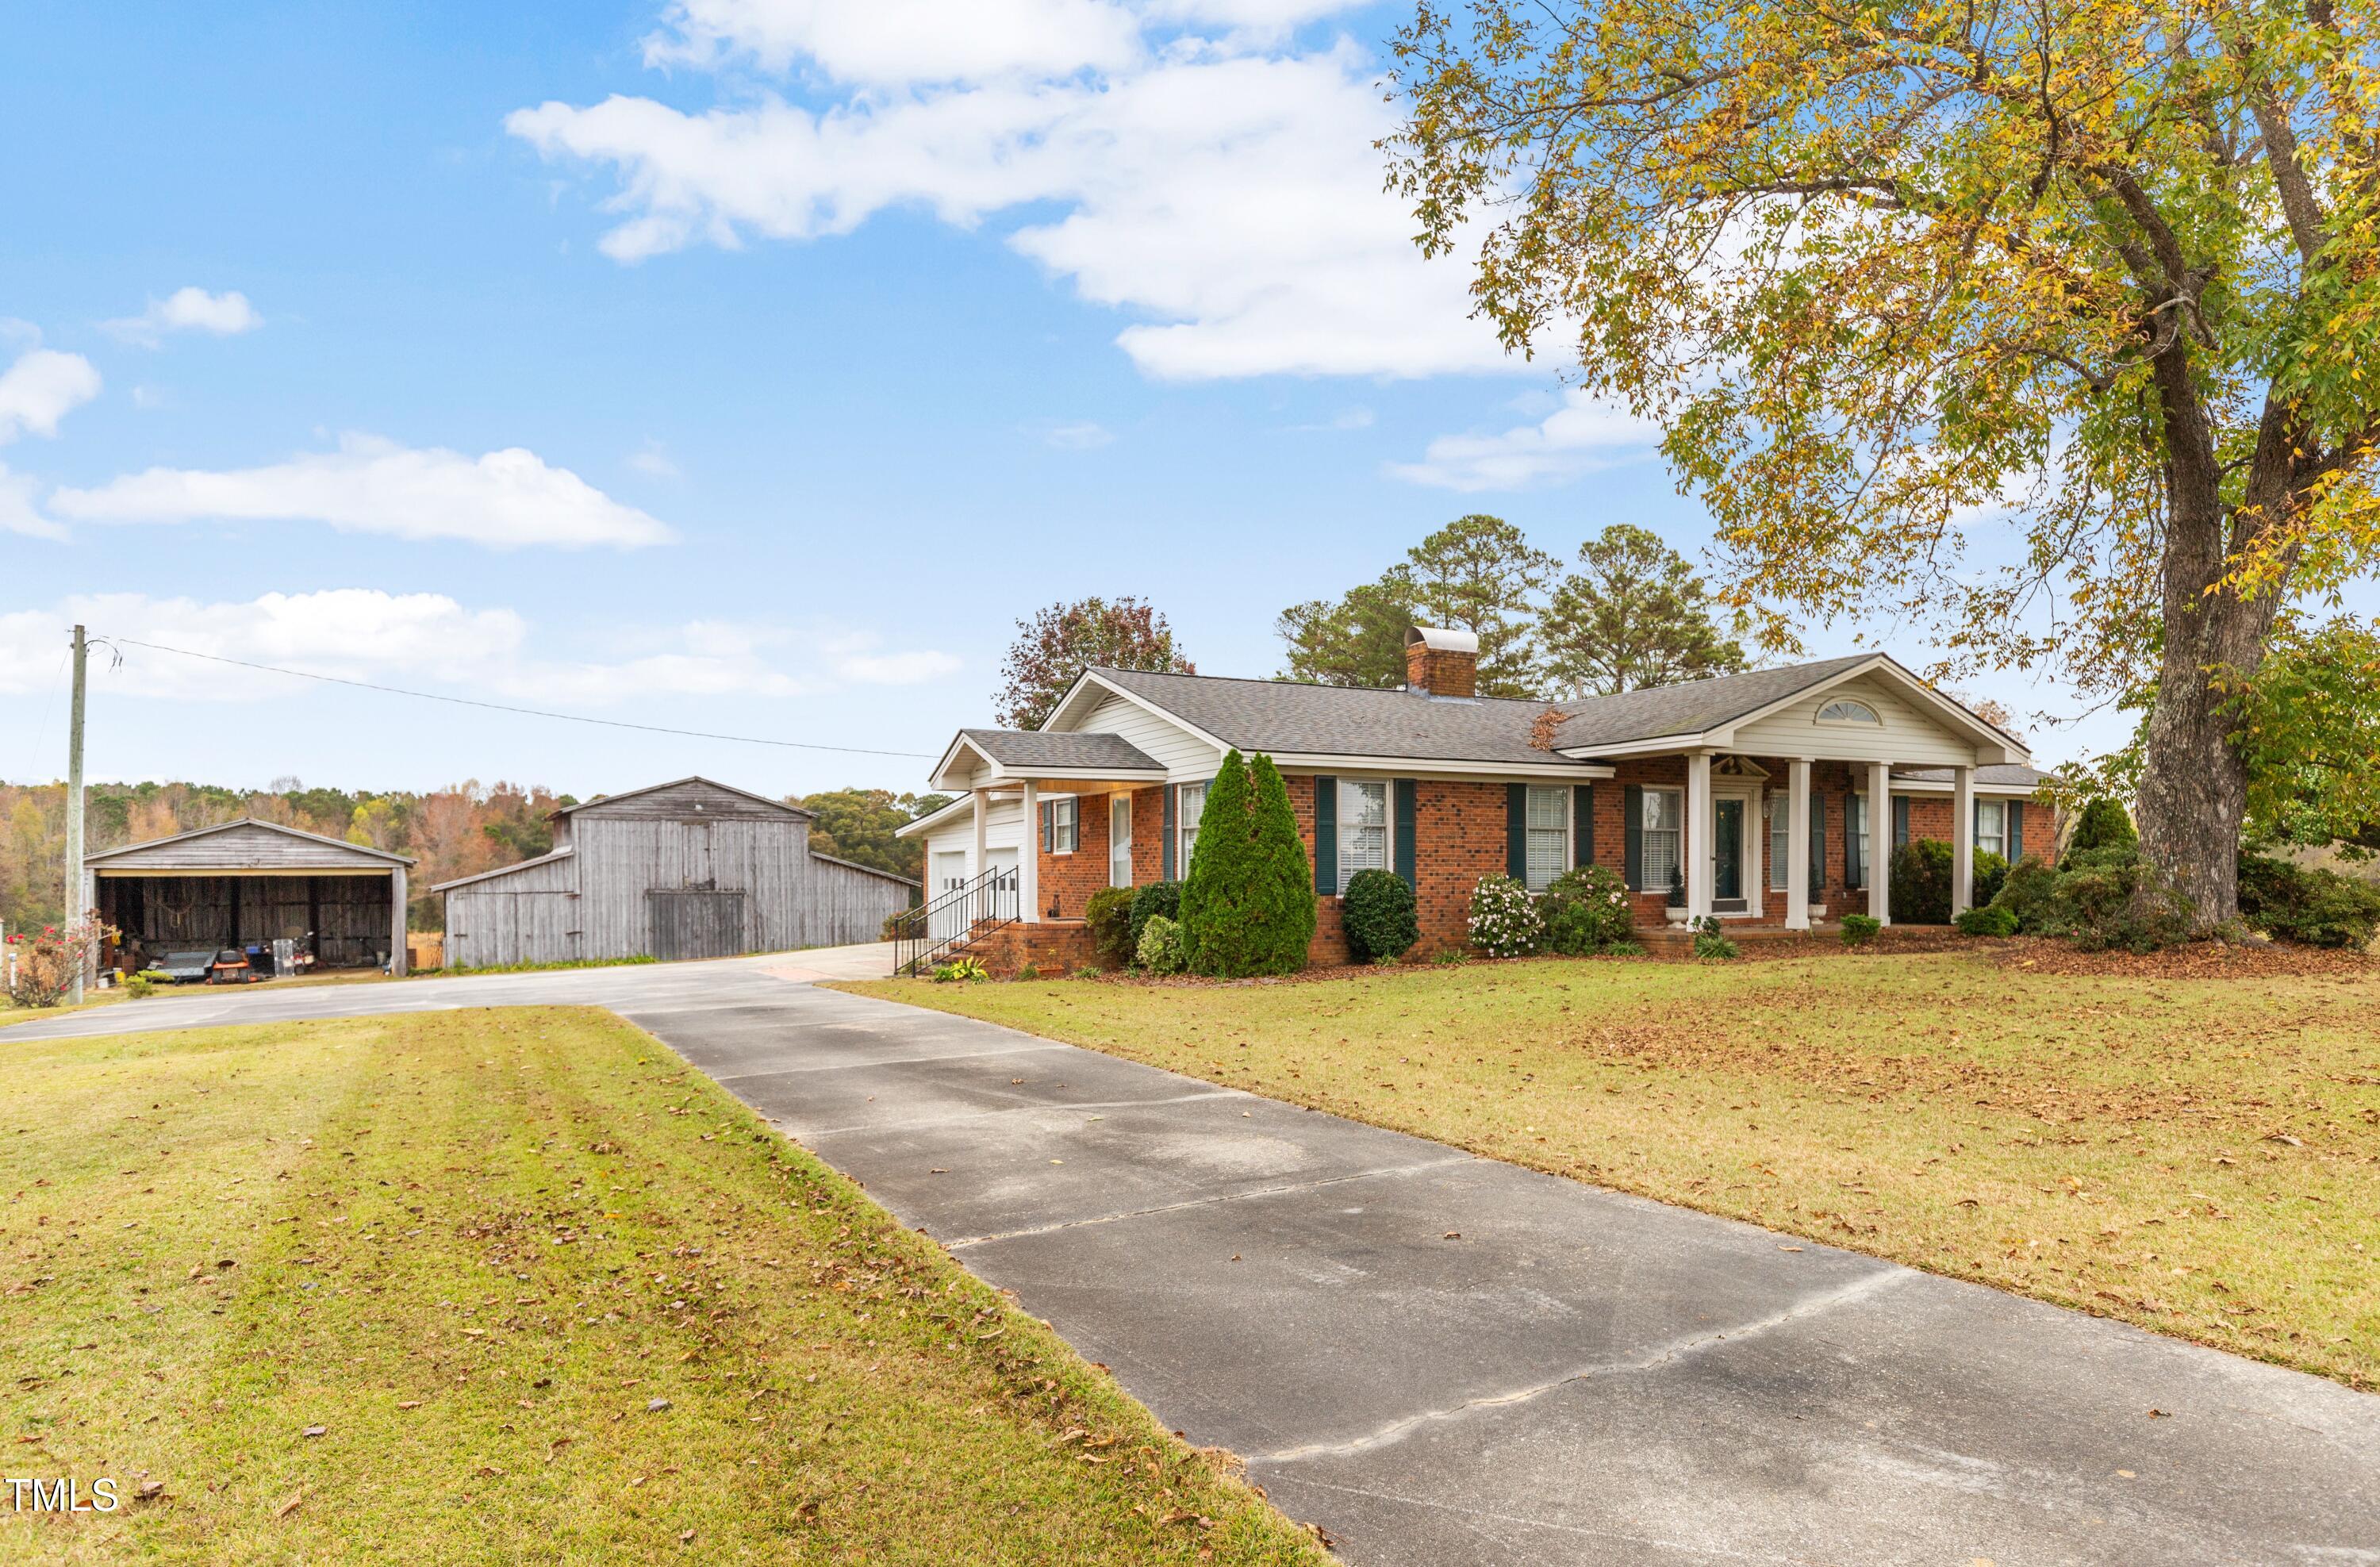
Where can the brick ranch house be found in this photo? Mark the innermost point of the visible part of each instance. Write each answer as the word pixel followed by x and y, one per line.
pixel 1755 790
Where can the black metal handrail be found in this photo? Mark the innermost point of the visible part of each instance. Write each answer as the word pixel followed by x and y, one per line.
pixel 927 934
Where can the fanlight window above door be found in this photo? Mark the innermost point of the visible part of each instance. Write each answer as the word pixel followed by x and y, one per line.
pixel 1844 709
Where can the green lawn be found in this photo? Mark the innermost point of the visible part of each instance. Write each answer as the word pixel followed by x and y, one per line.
pixel 512 1285
pixel 2200 1156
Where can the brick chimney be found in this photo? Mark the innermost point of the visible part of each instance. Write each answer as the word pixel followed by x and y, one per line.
pixel 1441 663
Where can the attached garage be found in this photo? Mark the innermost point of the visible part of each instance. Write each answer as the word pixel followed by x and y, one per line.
pixel 689 870
pixel 248 884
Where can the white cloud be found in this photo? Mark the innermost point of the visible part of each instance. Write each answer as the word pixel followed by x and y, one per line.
pixel 1227 193
pixel 505 500
pixel 188 310
pixel 17 512
pixel 1579 437
pixel 41 388
pixel 1078 437
pixel 902 41
pixel 653 460
pixel 429 641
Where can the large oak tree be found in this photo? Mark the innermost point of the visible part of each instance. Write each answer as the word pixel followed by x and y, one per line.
pixel 2044 327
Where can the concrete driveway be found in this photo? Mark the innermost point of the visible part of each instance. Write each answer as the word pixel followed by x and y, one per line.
pixel 1579 1377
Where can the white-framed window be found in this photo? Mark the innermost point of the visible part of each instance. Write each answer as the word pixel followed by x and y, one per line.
pixel 1847 709
pixel 1120 840
pixel 1549 832
pixel 1663 838
pixel 1991 828
pixel 1779 811
pixel 1190 804
pixel 1064 825
pixel 1362 827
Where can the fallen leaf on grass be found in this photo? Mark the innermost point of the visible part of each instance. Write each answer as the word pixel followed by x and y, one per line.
pixel 149 1490
pixel 286 1508
pixel 657 1405
pixel 408 1403
pixel 316 1431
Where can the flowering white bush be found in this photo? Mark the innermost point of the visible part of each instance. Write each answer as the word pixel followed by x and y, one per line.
pixel 1504 921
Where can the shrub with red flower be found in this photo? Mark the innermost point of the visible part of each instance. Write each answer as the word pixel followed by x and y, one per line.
pixel 40 969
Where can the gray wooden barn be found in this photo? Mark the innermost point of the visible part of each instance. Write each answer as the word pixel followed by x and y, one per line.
pixel 246 883
pixel 688 870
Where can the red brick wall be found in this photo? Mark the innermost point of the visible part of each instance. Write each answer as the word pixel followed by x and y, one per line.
pixel 1148 836
pixel 1071 879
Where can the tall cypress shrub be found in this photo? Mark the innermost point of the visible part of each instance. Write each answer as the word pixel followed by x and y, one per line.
pixel 1218 863
pixel 1247 906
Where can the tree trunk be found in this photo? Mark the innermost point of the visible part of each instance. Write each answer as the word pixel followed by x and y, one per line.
pixel 2194 795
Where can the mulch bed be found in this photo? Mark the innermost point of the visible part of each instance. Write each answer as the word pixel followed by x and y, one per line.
pixel 2196 960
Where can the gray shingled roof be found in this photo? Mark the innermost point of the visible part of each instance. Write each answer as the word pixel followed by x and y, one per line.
pixel 1041 748
pixel 2001 774
pixel 1279 716
pixel 1693 707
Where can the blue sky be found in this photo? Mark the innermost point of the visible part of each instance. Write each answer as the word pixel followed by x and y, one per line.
pixel 736 365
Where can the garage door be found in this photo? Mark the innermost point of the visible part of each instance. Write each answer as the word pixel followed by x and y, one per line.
pixel 687 924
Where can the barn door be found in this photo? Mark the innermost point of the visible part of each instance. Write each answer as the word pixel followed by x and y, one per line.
pixel 691 923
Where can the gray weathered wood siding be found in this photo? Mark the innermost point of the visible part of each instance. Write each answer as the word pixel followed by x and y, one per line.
pixel 248 847
pixel 593 903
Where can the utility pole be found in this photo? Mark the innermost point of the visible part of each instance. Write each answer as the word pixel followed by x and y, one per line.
pixel 74 815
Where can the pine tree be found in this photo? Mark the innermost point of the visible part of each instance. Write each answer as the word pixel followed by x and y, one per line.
pixel 1247 905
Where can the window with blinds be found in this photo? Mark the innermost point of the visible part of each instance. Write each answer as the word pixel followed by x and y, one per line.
pixel 1362 827
pixel 1663 838
pixel 1548 834
pixel 1991 826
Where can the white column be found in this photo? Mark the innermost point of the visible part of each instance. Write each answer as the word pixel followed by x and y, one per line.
pixel 1962 840
pixel 1701 865
pixel 1029 858
pixel 396 891
pixel 1879 840
pixel 976 866
pixel 1797 846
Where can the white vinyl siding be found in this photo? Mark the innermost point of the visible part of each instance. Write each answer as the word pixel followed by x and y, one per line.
pixel 1064 824
pixel 1991 828
pixel 1120 841
pixel 1664 812
pixel 1548 834
pixel 1362 827
pixel 1905 735
pixel 1188 808
pixel 1165 743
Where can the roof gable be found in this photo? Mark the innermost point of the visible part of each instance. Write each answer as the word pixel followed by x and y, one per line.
pixel 247 844
pixel 706 795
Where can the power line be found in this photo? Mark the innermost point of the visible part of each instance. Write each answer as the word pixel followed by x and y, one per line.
pixel 530 712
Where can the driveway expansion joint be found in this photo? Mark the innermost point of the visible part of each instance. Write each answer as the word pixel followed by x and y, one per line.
pixel 1284 1190
pixel 1884 1277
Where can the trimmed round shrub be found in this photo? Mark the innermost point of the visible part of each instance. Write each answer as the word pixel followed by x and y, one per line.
pixel 1921 883
pixel 2103 824
pixel 1859 930
pixel 1585 910
pixel 1504 920
pixel 1247 905
pixel 2295 903
pixel 1107 916
pixel 1382 920
pixel 1161 946
pixel 1147 902
pixel 1991 919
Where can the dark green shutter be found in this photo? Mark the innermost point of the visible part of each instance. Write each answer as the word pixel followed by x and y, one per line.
pixel 1325 836
pixel 1817 845
pixel 1632 833
pixel 1516 831
pixel 1406 807
pixel 1048 828
pixel 1854 872
pixel 1165 853
pixel 1899 819
pixel 1582 823
pixel 2015 830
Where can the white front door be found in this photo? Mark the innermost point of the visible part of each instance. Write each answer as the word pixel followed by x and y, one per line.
pixel 1120 841
pixel 949 876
